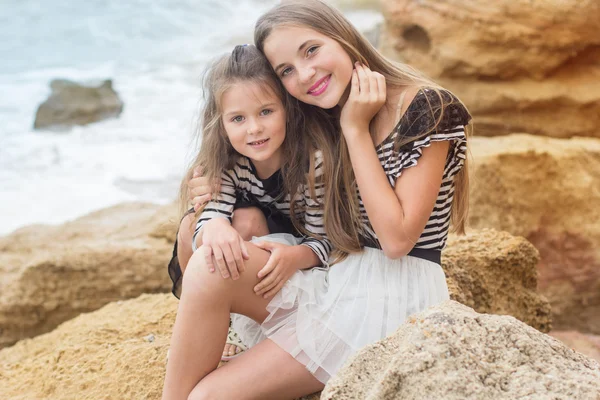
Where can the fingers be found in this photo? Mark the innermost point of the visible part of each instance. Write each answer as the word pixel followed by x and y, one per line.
pixel 208 257
pixel 382 87
pixel 269 266
pixel 237 258
pixel 218 254
pixel 230 261
pixel 354 86
pixel 275 290
pixel 268 283
pixel 363 78
pixel 198 201
pixel 197 171
pixel 244 250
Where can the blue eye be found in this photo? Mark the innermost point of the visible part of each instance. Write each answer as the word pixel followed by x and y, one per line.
pixel 286 71
pixel 237 118
pixel 266 112
pixel 311 50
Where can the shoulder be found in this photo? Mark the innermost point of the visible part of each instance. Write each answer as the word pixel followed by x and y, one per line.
pixel 432 109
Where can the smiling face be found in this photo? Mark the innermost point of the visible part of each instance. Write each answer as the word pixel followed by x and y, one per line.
pixel 314 68
pixel 254 119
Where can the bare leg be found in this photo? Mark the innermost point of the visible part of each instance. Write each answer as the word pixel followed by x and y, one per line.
pixel 184 241
pixel 265 371
pixel 202 320
pixel 247 221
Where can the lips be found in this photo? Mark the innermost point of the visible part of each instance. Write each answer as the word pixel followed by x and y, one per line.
pixel 258 142
pixel 320 86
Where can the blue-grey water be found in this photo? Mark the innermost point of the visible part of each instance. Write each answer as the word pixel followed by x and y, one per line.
pixel 154 51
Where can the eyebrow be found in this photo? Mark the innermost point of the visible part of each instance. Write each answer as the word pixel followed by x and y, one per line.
pixel 235 112
pixel 303 45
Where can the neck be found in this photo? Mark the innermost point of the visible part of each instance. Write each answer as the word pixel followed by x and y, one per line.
pixel 266 168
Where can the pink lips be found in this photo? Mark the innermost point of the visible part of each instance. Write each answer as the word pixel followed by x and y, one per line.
pixel 320 86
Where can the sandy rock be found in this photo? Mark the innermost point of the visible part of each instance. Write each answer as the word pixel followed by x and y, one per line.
pixel 71 103
pixel 451 352
pixel 548 191
pixel 53 273
pixel 116 352
pixel 495 272
pixel 520 66
pixel 583 343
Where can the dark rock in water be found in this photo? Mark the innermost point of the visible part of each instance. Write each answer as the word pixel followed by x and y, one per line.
pixel 74 104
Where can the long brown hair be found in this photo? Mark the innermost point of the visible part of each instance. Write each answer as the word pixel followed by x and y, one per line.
pixel 216 154
pixel 342 215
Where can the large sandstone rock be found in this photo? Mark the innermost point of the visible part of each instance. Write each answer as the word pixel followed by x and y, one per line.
pixel 71 103
pixel 117 352
pixel 520 66
pixel 53 273
pixel 547 190
pixel 451 352
pixel 495 272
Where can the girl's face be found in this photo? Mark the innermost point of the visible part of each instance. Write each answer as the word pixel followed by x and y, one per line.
pixel 254 120
pixel 314 68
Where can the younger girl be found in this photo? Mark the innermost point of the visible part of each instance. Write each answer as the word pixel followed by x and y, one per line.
pixel 264 155
pixel 400 178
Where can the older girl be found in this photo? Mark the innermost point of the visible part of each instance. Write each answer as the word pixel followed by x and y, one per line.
pixel 399 180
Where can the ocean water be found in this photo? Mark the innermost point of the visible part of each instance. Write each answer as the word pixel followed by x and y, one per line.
pixel 155 52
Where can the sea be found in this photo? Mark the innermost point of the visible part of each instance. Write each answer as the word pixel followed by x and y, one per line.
pixel 155 52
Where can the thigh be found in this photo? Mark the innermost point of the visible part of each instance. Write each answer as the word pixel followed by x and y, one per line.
pixel 266 371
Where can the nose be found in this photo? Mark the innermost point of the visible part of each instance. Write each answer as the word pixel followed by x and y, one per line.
pixel 306 74
pixel 254 126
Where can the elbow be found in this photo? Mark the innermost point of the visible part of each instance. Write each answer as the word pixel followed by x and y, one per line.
pixel 396 250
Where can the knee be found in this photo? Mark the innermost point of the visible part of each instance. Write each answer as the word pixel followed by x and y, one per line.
pixel 250 222
pixel 199 281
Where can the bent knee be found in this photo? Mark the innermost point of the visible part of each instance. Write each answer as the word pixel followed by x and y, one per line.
pixel 249 222
pixel 199 280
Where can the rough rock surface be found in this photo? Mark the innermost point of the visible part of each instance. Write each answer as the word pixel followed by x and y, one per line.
pixel 495 272
pixel 71 103
pixel 53 273
pixel 548 191
pixel 520 66
pixel 117 352
pixel 583 343
pixel 451 352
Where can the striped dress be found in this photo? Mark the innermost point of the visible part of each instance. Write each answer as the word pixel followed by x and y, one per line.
pixel 323 316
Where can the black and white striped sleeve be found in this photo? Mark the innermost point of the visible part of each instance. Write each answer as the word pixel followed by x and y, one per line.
pixel 222 206
pixel 421 116
pixel 314 216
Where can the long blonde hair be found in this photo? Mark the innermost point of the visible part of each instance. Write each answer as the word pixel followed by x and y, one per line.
pixel 342 217
pixel 216 154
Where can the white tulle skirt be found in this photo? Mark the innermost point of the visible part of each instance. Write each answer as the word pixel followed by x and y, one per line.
pixel 323 315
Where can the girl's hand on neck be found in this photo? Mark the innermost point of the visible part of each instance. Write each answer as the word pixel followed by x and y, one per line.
pixel 367 96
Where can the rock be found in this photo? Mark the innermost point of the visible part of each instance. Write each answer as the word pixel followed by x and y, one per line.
pixel 521 66
pixel 53 273
pixel 71 104
pixel 495 272
pixel 100 355
pixel 548 191
pixel 585 344
pixel 451 352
